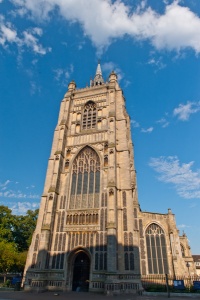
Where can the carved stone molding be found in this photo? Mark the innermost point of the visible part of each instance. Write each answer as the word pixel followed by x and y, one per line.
pixel 111 192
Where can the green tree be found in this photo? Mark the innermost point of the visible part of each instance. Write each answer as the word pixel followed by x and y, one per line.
pixel 7 221
pixel 8 257
pixel 20 261
pixel 17 228
pixel 15 238
pixel 24 227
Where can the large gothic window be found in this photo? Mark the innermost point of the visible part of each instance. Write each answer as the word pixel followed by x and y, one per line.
pixel 85 183
pixel 89 118
pixel 156 250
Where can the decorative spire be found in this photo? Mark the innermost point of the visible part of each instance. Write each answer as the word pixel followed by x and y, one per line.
pixel 98 71
pixel 98 79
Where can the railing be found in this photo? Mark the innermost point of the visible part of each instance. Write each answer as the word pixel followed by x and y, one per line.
pixel 158 282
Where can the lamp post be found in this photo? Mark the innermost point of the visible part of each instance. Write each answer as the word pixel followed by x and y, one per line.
pixel 188 266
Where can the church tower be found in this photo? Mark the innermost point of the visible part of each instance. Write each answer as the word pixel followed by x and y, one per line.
pixel 86 236
pixel 91 234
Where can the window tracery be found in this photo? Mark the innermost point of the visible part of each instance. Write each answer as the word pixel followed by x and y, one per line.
pixel 85 184
pixel 156 250
pixel 89 119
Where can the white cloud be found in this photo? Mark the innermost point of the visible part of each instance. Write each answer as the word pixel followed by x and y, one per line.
pixel 31 41
pixel 184 179
pixel 110 66
pixel 148 130
pixel 183 111
pixel 17 194
pixel 183 226
pixel 62 75
pixel 20 208
pixel 135 124
pixel 34 87
pixel 5 183
pixel 28 38
pixel 156 62
pixel 7 32
pixel 104 21
pixel 9 192
pixel 163 122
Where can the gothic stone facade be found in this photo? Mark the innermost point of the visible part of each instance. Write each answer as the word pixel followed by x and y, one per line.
pixel 91 233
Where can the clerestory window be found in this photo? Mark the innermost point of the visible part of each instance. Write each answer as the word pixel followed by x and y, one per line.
pixel 89 118
pixel 156 250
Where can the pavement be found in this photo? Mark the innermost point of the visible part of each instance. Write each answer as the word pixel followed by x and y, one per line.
pixel 21 295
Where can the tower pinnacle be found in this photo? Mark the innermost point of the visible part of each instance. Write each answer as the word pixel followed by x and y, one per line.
pixel 98 79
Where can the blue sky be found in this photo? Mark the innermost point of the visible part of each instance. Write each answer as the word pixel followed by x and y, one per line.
pixel 154 46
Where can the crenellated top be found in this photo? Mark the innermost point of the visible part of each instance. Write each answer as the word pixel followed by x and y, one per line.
pixel 97 82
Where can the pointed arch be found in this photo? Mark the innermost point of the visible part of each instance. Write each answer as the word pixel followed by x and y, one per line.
pixel 85 179
pixel 156 249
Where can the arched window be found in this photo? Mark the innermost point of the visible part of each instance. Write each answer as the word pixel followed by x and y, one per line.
pixel 89 118
pixel 156 250
pixel 85 185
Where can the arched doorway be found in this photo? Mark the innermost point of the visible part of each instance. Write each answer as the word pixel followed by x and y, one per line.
pixel 81 273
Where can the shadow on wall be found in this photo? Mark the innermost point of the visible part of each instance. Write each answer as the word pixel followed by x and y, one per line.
pixel 107 266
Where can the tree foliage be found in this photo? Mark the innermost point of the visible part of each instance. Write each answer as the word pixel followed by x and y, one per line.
pixel 15 238
pixel 23 229
pixel 6 224
pixel 8 256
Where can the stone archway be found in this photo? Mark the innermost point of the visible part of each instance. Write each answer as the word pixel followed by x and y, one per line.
pixel 81 272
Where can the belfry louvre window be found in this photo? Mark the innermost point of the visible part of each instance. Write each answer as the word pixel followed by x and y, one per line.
pixel 85 182
pixel 89 118
pixel 156 250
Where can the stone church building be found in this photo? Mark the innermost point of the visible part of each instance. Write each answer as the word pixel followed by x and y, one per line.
pixel 91 234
